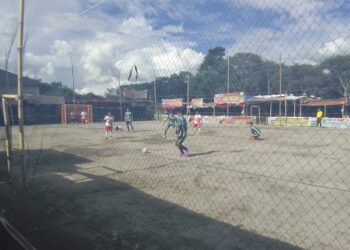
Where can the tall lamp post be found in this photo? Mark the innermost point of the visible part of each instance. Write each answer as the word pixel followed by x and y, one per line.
pixel 188 95
pixel 155 96
pixel 71 59
pixel 228 82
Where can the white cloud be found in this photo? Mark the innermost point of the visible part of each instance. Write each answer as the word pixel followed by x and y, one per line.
pixel 338 46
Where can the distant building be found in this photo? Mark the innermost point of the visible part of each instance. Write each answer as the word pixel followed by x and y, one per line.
pixel 38 109
pixel 8 84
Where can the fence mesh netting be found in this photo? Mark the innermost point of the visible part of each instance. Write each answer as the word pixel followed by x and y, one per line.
pixel 197 124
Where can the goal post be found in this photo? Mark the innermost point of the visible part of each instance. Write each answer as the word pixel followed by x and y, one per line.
pixel 68 111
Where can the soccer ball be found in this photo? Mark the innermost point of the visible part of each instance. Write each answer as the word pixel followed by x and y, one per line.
pixel 144 150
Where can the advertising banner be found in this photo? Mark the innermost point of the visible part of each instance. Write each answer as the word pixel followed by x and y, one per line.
pixel 242 120
pixel 285 121
pixel 171 103
pixel 197 103
pixel 309 122
pixel 333 122
pixel 211 119
pixel 237 120
pixel 232 98
pixel 135 94
pixel 228 120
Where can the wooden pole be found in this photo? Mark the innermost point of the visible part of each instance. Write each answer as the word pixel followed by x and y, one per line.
pixel 228 82
pixel 300 108
pixel 8 142
pixel 285 108
pixel 155 97
pixel 280 103
pixel 294 108
pixel 71 58
pixel 188 95
pixel 120 100
pixel 20 93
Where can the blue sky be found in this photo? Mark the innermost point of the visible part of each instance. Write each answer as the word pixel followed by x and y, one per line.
pixel 106 37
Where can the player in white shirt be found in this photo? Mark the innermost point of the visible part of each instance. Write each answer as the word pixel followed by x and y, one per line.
pixel 108 124
pixel 84 119
pixel 197 122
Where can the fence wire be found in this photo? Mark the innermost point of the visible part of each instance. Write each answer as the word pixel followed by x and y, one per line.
pixel 255 157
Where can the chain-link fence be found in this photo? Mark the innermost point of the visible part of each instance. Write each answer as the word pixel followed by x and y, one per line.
pixel 179 125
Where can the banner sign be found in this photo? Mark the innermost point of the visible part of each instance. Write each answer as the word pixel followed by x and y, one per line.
pixel 135 94
pixel 243 120
pixel 197 103
pixel 171 103
pixel 211 119
pixel 43 99
pixel 309 122
pixel 293 121
pixel 233 98
pixel 331 122
pixel 237 120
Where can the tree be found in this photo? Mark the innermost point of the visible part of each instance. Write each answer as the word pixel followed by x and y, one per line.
pixel 337 69
pixel 211 75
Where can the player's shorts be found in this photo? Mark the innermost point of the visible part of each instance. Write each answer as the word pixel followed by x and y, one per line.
pixel 171 126
pixel 84 120
pixel 197 125
pixel 108 128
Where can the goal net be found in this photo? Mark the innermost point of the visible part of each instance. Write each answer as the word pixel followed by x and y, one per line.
pixel 71 113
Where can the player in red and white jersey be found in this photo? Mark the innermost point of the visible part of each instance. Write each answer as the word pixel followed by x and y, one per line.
pixel 197 122
pixel 108 124
pixel 84 119
pixel 73 117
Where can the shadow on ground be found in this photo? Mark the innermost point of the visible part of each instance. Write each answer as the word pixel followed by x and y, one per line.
pixel 98 212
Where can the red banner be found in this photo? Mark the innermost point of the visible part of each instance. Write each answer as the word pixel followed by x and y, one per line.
pixel 197 103
pixel 135 94
pixel 171 103
pixel 229 98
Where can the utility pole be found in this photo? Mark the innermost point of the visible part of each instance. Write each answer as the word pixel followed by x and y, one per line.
pixel 155 96
pixel 120 98
pixel 280 101
pixel 71 59
pixel 188 94
pixel 228 82
pixel 20 93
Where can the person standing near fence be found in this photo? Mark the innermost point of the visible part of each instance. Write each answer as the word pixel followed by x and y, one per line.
pixel 319 117
pixel 108 125
pixel 181 134
pixel 197 122
pixel 171 123
pixel 129 119
pixel 73 117
pixel 84 119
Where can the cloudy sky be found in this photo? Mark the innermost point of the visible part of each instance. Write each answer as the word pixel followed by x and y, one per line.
pixel 106 37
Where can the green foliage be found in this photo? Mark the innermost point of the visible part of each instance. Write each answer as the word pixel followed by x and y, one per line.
pixel 248 73
pixel 251 74
pixel 58 89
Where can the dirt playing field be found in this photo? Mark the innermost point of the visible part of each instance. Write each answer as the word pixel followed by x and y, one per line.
pixel 290 190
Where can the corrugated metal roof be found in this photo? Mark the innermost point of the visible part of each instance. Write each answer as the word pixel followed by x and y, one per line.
pixel 329 102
